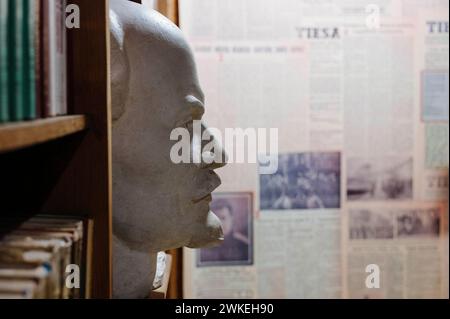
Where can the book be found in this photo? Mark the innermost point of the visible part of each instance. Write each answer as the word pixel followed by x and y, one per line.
pixel 37 274
pixel 78 230
pixel 28 57
pixel 33 59
pixel 59 249
pixel 4 98
pixel 18 289
pixel 38 56
pixel 61 53
pixel 54 51
pixel 15 59
pixel 23 256
pixel 51 241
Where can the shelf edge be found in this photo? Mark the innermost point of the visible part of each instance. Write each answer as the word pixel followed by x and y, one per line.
pixel 16 136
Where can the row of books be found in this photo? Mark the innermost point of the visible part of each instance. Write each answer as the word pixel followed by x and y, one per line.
pixel 45 257
pixel 33 59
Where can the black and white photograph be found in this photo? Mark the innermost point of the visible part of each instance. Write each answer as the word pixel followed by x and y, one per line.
pixel 303 181
pixel 371 224
pixel 418 223
pixel 235 211
pixel 379 179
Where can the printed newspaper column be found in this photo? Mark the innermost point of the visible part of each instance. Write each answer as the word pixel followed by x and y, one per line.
pixel 405 240
pixel 433 105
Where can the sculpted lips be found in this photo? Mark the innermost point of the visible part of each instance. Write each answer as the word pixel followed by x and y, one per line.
pixel 205 198
pixel 207 184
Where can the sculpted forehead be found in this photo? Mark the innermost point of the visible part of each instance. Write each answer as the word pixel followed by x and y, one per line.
pixel 133 16
pixel 151 41
pixel 150 58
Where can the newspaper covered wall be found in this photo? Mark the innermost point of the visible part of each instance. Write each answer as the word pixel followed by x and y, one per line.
pixel 359 93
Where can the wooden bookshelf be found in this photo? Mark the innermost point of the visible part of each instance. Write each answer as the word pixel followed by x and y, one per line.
pixel 63 165
pixel 14 136
pixel 169 8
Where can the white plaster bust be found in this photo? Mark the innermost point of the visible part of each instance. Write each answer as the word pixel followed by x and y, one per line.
pixel 157 205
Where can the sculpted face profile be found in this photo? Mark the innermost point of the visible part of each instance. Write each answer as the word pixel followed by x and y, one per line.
pixel 157 205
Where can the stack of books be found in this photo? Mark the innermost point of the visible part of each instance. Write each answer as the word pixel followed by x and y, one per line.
pixel 45 257
pixel 33 59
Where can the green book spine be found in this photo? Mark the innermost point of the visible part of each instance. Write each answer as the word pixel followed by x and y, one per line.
pixel 4 98
pixel 28 51
pixel 15 57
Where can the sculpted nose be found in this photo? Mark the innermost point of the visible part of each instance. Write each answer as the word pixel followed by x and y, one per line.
pixel 213 158
pixel 210 159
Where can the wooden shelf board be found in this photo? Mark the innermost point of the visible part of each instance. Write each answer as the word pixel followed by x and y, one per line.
pixel 14 136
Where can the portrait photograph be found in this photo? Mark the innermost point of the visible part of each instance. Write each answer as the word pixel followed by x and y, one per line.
pixel 235 211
